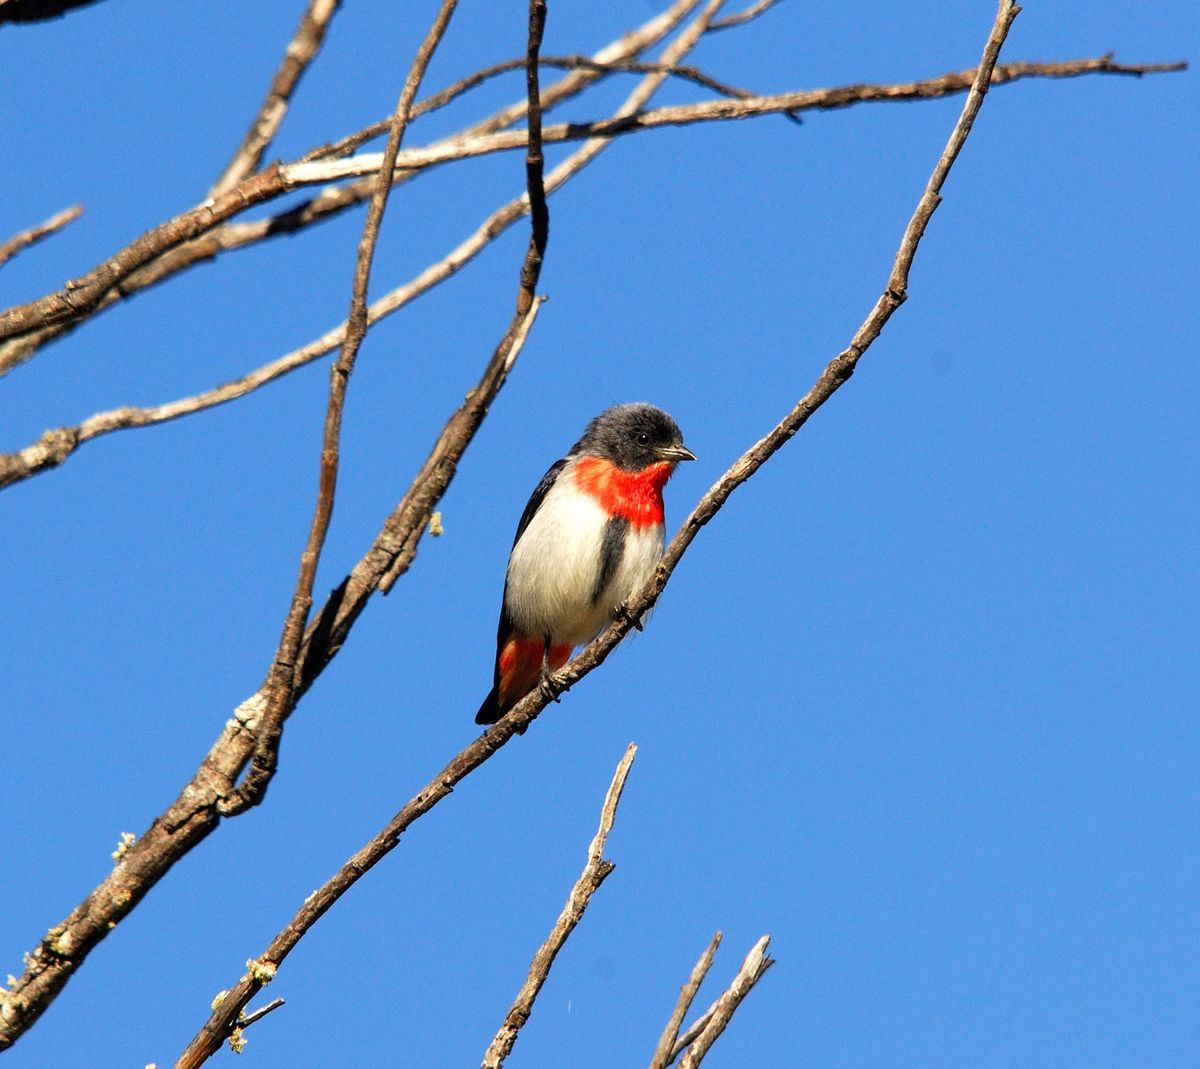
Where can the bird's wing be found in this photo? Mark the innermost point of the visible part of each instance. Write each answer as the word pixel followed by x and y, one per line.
pixel 539 495
pixel 505 628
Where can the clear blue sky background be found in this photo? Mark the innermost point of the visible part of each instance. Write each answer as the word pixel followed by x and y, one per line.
pixel 921 702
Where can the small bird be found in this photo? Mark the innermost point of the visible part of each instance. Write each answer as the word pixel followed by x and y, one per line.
pixel 589 537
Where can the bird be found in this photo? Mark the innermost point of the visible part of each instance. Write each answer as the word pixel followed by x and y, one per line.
pixel 591 534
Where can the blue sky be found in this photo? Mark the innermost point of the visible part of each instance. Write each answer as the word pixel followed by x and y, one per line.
pixel 920 702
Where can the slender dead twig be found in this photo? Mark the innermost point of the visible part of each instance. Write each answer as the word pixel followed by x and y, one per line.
pixel 203 232
pixel 665 1052
pixel 350 143
pixel 22 240
pixel 719 1015
pixel 282 685
pixel 594 873
pixel 742 17
pixel 304 173
pixel 535 165
pixel 37 10
pixel 300 52
pixel 250 1018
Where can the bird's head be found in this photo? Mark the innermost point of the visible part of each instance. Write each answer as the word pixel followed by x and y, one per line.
pixel 633 437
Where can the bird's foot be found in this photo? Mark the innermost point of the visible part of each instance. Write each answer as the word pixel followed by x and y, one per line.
pixel 623 613
pixel 549 688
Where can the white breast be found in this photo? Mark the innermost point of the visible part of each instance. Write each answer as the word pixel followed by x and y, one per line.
pixel 553 568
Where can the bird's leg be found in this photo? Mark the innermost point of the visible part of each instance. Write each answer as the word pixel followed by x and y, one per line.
pixel 623 613
pixel 550 690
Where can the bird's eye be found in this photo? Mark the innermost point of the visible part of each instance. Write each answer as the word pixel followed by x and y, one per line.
pixel 643 438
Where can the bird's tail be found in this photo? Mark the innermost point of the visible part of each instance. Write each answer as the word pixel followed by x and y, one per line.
pixel 489 711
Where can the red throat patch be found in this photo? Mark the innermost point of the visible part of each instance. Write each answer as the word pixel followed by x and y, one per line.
pixel 636 495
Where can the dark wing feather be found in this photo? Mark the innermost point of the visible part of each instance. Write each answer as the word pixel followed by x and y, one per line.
pixel 539 495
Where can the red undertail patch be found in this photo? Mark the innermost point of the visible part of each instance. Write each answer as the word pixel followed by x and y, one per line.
pixel 520 663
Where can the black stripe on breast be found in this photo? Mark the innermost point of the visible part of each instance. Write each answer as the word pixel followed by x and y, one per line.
pixel 611 550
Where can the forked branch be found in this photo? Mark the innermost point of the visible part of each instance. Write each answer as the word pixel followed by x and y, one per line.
pixel 595 872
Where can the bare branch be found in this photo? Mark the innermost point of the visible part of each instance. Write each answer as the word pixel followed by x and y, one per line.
pixel 535 164
pixel 314 172
pixel 348 144
pixel 201 233
pixel 594 873
pixel 742 17
pixel 250 1018
pixel 718 1016
pixel 283 683
pixel 666 1051
pixel 301 51
pixel 21 241
pixel 37 10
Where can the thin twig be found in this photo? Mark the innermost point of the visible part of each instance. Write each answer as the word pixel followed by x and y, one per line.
pixel 300 52
pixel 250 1018
pixel 688 1035
pixel 753 967
pixel 350 143
pixel 21 241
pixel 535 165
pixel 201 233
pixel 315 172
pixel 594 873
pixel 283 686
pixel 742 17
pixel 665 1052
pixel 37 10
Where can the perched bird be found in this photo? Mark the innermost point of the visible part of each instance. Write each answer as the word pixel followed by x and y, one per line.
pixel 589 537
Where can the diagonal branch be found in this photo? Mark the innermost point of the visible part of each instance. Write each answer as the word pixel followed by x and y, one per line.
pixel 22 240
pixel 594 873
pixel 37 10
pixel 301 51
pixel 666 1050
pixel 742 17
pixel 304 173
pixel 704 1033
pixel 282 687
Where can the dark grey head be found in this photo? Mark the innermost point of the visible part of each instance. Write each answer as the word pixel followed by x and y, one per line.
pixel 633 436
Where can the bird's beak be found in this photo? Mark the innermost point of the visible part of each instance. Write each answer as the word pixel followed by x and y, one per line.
pixel 676 453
